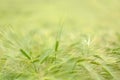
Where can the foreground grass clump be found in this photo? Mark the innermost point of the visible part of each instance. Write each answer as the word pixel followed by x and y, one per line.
pixel 25 58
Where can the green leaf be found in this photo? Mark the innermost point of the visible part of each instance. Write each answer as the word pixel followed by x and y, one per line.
pixel 94 75
pixel 56 45
pixel 110 71
pixel 25 54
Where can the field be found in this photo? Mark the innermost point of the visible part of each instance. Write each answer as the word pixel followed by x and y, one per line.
pixel 59 40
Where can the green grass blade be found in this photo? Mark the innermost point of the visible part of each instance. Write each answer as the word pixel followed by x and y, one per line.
pixel 25 54
pixel 56 45
pixel 110 72
pixel 94 75
pixel 58 37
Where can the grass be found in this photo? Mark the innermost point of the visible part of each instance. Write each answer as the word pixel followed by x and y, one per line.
pixel 59 40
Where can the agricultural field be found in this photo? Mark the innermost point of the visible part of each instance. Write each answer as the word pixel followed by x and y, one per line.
pixel 59 40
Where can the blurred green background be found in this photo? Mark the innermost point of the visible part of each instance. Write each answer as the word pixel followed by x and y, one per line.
pixel 42 19
pixel 45 18
pixel 80 15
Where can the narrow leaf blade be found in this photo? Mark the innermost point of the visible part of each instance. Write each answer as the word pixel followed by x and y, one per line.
pixel 25 54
